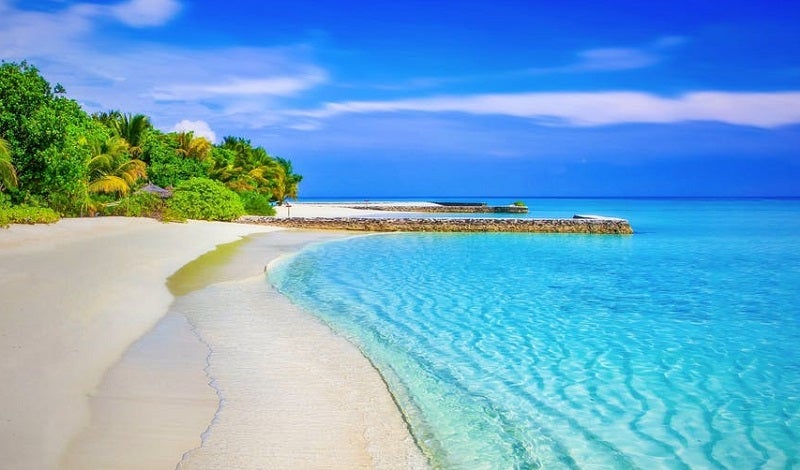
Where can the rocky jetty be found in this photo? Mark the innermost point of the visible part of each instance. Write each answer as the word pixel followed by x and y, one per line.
pixel 369 224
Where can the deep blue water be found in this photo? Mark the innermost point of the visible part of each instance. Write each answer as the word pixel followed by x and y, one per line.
pixel 676 347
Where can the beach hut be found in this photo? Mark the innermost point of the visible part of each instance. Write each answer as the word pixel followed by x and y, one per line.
pixel 157 190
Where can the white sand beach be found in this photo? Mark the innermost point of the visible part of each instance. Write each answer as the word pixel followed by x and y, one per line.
pixel 104 370
pixel 344 209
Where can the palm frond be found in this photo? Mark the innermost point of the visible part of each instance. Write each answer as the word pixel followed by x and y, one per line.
pixel 8 175
pixel 240 185
pixel 116 145
pixel 101 161
pixel 131 127
pixel 132 171
pixel 5 149
pixel 200 148
pixel 109 184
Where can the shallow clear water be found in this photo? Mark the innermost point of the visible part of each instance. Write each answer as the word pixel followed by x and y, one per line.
pixel 677 347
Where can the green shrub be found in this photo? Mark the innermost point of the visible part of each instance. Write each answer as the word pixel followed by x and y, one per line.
pixel 27 215
pixel 519 204
pixel 256 203
pixel 203 199
pixel 136 205
pixel 166 167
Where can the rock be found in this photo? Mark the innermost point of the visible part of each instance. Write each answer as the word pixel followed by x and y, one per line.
pixel 366 224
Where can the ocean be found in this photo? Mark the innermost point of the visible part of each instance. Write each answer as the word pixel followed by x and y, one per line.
pixel 675 347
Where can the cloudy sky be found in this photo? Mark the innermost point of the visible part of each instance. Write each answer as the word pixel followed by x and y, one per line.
pixel 450 98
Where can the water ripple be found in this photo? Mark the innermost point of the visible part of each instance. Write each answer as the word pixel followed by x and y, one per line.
pixel 514 351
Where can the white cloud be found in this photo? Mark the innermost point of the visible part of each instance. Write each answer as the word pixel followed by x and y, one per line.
pixel 29 34
pixel 171 83
pixel 274 86
pixel 141 13
pixel 766 110
pixel 200 129
pixel 665 42
pixel 612 59
pixel 231 88
pixel 601 59
pixel 617 58
pixel 305 126
pixel 25 34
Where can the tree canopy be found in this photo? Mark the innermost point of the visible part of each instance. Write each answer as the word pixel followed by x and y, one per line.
pixel 53 154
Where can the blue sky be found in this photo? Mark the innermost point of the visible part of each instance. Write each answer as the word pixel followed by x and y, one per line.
pixel 451 98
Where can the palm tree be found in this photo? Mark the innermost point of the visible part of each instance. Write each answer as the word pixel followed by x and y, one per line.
pixel 253 169
pixel 8 175
pixel 237 144
pixel 277 183
pixel 131 127
pixel 243 176
pixel 111 168
pixel 222 171
pixel 287 181
pixel 198 148
pixel 107 118
pixel 249 169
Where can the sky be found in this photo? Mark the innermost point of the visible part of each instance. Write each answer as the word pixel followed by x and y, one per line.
pixel 427 98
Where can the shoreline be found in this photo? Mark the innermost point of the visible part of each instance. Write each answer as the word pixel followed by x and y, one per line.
pixel 74 405
pixel 317 402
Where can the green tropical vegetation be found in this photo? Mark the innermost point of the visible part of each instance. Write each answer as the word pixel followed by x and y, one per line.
pixel 204 199
pixel 27 215
pixel 58 160
pixel 140 204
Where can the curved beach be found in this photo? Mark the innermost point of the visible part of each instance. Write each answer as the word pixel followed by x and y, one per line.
pixel 104 370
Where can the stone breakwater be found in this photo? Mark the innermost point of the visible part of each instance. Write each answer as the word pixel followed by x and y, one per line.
pixel 446 209
pixel 365 224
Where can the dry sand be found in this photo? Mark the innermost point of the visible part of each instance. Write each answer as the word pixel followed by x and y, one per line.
pixel 97 376
pixel 346 209
pixel 74 296
pixel 322 210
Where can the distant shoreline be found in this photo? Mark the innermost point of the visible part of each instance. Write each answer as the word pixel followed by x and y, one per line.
pixel 403 216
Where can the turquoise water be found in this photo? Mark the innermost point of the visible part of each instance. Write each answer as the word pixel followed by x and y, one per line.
pixel 677 347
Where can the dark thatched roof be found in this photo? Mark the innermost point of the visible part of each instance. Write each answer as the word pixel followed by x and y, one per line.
pixel 153 189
